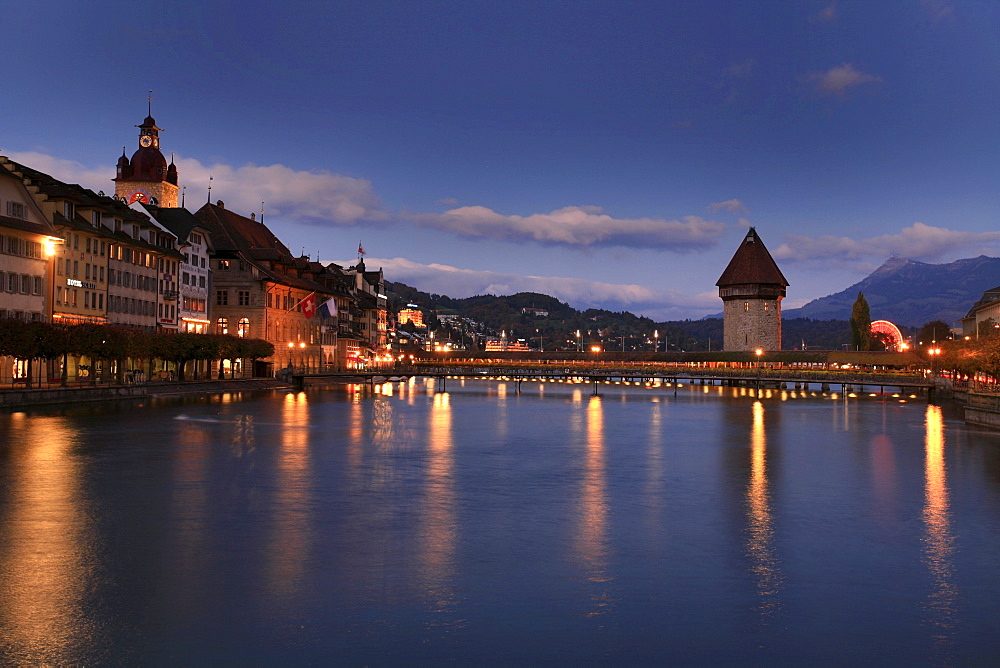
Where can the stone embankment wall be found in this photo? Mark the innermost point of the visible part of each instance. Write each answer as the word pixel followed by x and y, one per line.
pixel 72 395
pixel 983 410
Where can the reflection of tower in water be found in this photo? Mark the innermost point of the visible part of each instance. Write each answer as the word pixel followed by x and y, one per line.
pixel 760 522
pixel 939 541
pixel 592 540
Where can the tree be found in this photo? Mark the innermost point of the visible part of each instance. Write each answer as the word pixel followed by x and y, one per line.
pixel 933 331
pixel 861 324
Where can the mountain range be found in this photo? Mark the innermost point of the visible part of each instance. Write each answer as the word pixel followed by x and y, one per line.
pixel 911 293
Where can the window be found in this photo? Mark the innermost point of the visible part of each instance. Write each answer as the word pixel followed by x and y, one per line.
pixel 68 209
pixel 76 241
pixel 86 299
pixel 59 294
pixel 243 327
pixel 76 269
pixel 767 306
pixel 86 271
pixel 25 284
pixel 202 263
pixel 2 283
pixel 59 266
pixel 16 210
pixel 244 297
pixel 201 281
pixel 222 326
pixel 37 285
pixel 222 298
pixel 186 278
pixel 746 306
pixel 224 265
pixel 87 245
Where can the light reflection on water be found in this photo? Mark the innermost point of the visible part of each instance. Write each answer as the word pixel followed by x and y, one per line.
pixel 942 612
pixel 45 551
pixel 766 566
pixel 499 523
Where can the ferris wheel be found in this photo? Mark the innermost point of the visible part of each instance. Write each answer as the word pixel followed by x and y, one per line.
pixel 894 340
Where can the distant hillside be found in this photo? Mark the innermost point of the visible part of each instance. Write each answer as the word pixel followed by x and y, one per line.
pixel 911 293
pixel 496 313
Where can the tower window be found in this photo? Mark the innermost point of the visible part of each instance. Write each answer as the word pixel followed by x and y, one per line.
pixel 767 306
pixel 746 306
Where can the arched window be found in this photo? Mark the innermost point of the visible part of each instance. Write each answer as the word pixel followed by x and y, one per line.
pixel 222 325
pixel 243 327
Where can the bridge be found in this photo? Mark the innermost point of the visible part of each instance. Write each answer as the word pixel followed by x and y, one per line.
pixel 664 375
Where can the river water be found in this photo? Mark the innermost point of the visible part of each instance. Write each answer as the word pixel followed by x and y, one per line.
pixel 479 525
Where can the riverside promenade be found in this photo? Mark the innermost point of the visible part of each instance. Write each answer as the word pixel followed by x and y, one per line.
pixel 53 394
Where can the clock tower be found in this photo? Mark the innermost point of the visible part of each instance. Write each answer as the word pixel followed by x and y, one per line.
pixel 146 177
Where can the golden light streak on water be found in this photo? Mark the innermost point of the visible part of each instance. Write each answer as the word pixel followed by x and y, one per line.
pixel 45 560
pixel 290 541
pixel 941 605
pixel 760 545
pixel 438 517
pixel 190 503
pixel 592 541
pixel 355 435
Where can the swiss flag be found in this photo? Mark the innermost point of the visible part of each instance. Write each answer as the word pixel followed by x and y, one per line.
pixel 309 306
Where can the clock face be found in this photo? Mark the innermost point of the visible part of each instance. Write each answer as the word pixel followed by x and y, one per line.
pixel 146 140
pixel 139 196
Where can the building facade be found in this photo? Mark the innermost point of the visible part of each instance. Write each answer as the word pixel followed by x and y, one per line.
pixel 26 244
pixel 751 289
pixel 260 290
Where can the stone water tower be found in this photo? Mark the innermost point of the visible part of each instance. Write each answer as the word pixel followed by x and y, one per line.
pixel 751 289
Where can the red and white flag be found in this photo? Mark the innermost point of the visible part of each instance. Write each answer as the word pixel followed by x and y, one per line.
pixel 361 250
pixel 309 306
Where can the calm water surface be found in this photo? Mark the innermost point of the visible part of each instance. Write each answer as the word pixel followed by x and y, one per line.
pixel 483 526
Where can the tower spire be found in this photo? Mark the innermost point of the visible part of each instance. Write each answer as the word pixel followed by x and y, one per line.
pixel 209 190
pixel 149 103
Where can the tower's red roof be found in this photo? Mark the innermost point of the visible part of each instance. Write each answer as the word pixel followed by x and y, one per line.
pixel 752 264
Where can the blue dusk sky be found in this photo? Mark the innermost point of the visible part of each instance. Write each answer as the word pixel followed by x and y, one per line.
pixel 611 154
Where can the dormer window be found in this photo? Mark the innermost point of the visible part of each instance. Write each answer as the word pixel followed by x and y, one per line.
pixel 16 210
pixel 95 218
pixel 68 210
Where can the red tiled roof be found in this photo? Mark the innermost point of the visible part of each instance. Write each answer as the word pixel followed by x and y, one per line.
pixel 752 264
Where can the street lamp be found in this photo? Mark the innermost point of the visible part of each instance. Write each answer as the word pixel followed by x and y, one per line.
pixel 579 344
pixel 758 353
pixel 656 340
pixel 934 354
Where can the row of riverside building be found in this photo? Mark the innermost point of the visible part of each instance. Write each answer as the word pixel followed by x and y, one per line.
pixel 135 258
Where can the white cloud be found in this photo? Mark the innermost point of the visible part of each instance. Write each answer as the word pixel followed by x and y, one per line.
pixel 578 226
pixel 838 80
pixel 317 197
pixel 577 292
pixel 97 179
pixel 731 205
pixel 916 242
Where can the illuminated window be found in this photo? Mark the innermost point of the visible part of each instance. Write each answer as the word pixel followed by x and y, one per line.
pixel 746 306
pixel 222 325
pixel 767 306
pixel 243 327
